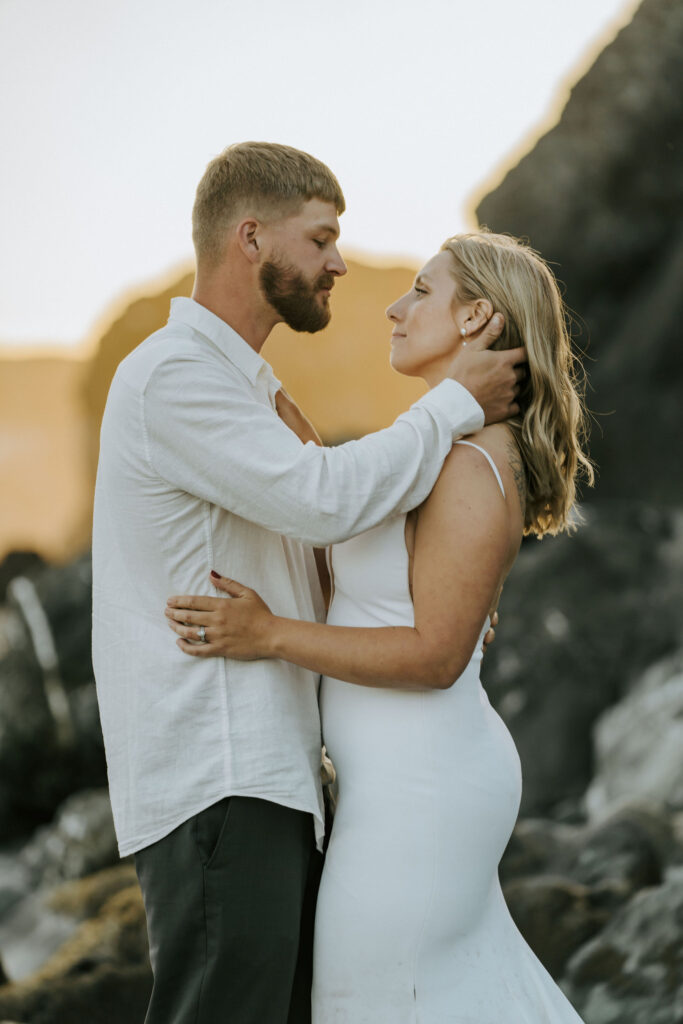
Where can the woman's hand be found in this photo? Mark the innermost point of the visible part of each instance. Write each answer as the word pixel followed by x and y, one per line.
pixel 238 628
pixel 292 416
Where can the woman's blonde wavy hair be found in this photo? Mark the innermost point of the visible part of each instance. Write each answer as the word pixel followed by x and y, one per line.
pixel 551 428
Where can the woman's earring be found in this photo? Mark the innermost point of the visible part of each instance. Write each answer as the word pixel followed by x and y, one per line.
pixel 463 331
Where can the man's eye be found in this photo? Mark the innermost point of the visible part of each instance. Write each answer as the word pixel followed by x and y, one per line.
pixel 321 245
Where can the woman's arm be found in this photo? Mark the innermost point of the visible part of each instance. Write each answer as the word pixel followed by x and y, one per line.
pixel 291 415
pixel 463 547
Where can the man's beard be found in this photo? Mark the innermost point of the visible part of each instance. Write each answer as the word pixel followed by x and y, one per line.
pixel 291 295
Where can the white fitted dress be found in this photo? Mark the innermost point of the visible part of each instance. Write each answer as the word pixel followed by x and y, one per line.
pixel 411 924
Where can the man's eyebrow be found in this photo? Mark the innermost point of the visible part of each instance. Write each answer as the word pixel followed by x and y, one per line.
pixel 329 228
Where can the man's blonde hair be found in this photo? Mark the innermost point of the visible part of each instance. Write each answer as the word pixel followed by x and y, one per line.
pixel 551 428
pixel 265 179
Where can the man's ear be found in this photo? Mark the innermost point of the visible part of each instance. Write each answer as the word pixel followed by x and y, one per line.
pixel 247 233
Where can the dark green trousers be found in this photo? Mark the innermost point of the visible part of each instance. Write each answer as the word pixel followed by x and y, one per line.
pixel 230 903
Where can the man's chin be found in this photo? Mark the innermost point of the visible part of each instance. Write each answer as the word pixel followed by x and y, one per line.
pixel 311 326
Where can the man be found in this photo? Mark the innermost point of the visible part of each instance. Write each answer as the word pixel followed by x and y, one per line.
pixel 214 764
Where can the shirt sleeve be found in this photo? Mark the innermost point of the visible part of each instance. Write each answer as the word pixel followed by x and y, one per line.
pixel 207 435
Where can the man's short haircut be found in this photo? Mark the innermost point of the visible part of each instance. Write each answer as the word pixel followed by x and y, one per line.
pixel 265 179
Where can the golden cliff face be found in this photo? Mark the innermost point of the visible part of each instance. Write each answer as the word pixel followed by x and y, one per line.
pixel 50 408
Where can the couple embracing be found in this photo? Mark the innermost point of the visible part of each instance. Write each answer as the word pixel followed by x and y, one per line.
pixel 213 485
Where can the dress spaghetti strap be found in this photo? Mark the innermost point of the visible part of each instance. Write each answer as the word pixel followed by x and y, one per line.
pixel 488 458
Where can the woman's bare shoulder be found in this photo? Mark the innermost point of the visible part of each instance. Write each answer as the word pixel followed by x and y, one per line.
pixel 499 441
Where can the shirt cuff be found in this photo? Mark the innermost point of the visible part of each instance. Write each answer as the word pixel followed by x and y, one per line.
pixel 454 403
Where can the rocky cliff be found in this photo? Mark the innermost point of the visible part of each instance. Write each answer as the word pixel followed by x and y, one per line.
pixel 601 196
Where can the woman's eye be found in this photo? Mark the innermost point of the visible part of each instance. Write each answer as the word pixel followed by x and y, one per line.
pixel 420 291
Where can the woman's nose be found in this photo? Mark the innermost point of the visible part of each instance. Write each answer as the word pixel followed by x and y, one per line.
pixel 392 311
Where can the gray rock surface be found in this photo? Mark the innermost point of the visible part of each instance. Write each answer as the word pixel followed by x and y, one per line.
pixel 639 742
pixel 80 841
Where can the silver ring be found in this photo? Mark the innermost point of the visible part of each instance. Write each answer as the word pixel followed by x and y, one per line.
pixel 202 634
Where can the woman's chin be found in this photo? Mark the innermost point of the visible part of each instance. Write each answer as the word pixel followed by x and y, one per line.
pixel 402 366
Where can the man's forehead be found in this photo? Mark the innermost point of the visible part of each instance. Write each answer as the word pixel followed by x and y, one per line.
pixel 320 216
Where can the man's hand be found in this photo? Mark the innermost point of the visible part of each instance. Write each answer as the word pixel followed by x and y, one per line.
pixel 491 377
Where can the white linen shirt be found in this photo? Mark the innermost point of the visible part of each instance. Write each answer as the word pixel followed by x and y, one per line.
pixel 197 472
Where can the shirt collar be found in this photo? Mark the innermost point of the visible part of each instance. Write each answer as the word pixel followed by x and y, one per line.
pixel 234 347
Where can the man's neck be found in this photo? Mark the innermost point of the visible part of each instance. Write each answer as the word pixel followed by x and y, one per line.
pixel 252 318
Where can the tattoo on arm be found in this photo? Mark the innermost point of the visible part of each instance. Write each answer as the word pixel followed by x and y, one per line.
pixel 517 467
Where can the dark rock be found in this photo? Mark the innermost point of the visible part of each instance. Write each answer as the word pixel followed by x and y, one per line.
pixel 50 737
pixel 30 783
pixel 64 594
pixel 629 849
pixel 614 858
pixel 537 846
pixel 39 764
pixel 632 972
pixel 555 916
pixel 581 618
pixel 600 196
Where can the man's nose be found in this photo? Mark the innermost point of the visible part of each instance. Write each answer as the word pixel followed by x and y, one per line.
pixel 335 265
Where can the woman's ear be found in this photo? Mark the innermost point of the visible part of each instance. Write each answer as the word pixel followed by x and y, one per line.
pixel 480 312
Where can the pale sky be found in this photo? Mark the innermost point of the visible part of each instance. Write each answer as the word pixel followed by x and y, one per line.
pixel 110 110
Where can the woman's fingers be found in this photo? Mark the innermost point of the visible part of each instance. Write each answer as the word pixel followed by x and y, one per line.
pixel 194 602
pixel 228 586
pixel 183 615
pixel 197 650
pixel 188 632
pixel 486 335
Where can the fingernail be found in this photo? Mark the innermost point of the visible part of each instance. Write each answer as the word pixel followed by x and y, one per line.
pixel 216 575
pixel 497 320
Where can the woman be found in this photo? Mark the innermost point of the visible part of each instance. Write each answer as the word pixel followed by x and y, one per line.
pixel 411 923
